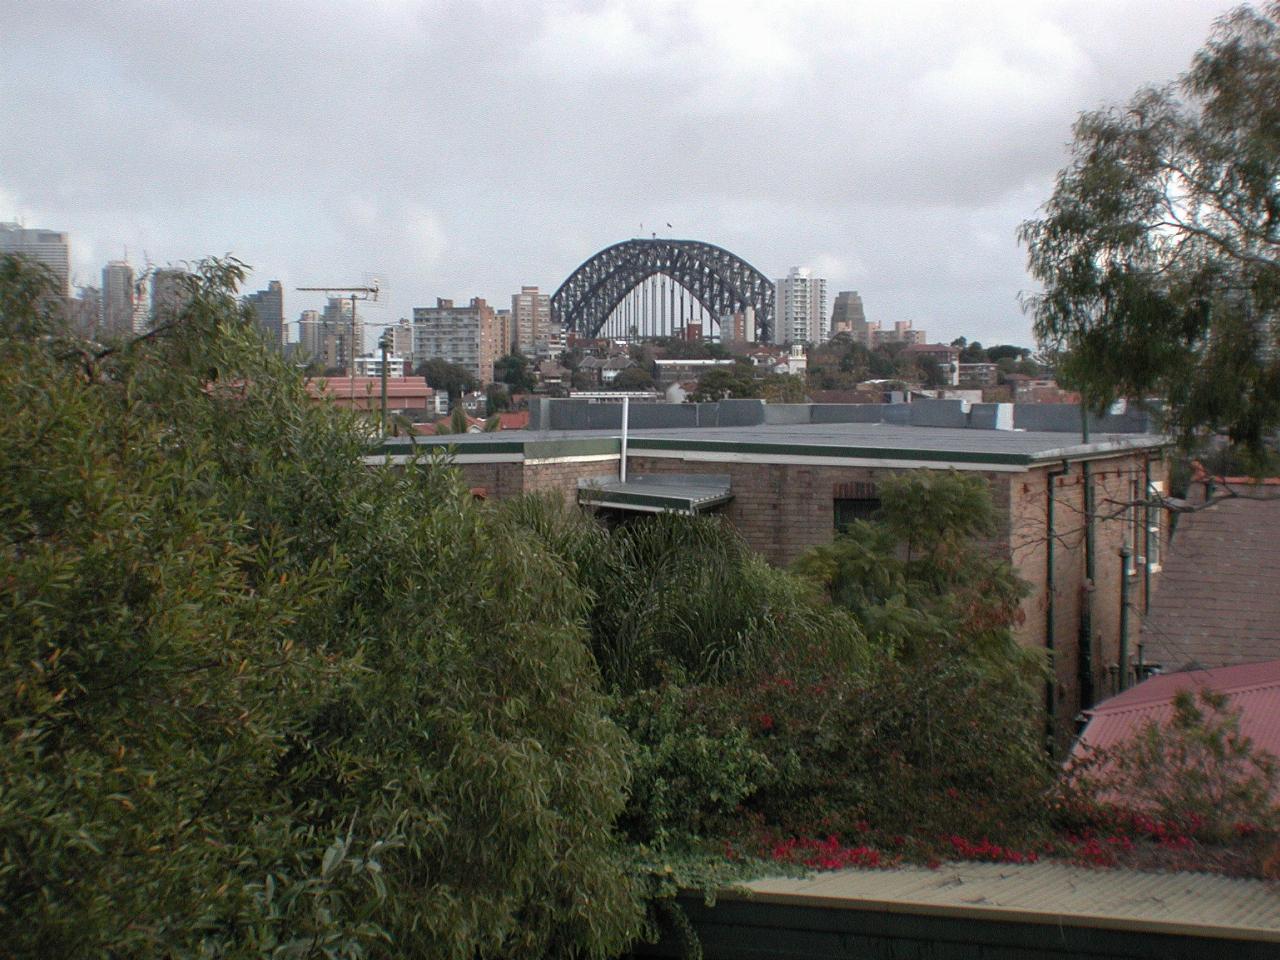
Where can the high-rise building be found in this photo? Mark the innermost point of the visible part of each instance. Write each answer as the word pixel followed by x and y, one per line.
pixel 902 332
pixel 117 298
pixel 530 318
pixel 310 337
pixel 848 316
pixel 467 336
pixel 505 332
pixel 800 308
pixel 328 336
pixel 345 326
pixel 169 294
pixel 48 247
pixel 268 309
pixel 402 337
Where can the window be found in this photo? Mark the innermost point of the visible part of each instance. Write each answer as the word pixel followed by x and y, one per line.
pixel 1152 514
pixel 854 501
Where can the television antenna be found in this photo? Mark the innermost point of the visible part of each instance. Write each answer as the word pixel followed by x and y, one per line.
pixel 367 292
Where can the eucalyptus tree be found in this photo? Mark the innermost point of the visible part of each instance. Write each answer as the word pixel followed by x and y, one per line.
pixel 1159 251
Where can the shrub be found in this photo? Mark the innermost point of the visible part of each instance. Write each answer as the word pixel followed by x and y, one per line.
pixel 1196 772
pixel 261 697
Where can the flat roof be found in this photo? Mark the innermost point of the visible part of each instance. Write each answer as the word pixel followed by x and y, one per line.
pixel 879 442
pixel 1170 903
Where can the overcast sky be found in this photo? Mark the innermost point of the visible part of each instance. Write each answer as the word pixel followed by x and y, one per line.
pixel 462 149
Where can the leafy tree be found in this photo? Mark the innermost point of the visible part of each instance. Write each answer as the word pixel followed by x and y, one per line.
pixel 1159 250
pixel 633 378
pixel 516 371
pixel 1007 350
pixel 917 578
pixel 498 397
pixel 782 388
pixel 883 363
pixel 261 698
pixel 453 379
pixel 722 384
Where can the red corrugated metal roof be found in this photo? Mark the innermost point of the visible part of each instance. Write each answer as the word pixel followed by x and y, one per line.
pixel 1252 688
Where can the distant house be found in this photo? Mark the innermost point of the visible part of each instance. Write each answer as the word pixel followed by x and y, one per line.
pixel 551 374
pixel 614 366
pixel 944 355
pixel 979 375
pixel 1218 600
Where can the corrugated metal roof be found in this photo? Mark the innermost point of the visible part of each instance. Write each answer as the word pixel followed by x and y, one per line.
pixel 1175 903
pixel 1253 688
pixel 658 494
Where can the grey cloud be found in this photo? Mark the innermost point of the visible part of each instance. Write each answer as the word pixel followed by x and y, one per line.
pixel 466 148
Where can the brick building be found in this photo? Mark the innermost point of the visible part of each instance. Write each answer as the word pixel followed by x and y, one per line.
pixel 788 476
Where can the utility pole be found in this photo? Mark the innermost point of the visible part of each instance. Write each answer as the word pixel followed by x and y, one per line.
pixel 353 294
pixel 383 345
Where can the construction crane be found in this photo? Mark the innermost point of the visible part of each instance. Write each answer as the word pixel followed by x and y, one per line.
pixel 369 292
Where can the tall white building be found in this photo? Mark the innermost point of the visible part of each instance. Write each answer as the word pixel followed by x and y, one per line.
pixel 800 308
pixel 49 247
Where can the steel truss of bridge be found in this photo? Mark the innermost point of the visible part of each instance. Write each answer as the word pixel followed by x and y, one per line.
pixel 720 282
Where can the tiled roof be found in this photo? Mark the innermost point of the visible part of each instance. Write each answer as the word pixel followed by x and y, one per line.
pixel 1252 688
pixel 1217 600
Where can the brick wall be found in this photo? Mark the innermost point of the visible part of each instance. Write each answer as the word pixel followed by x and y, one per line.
pixel 1117 483
pixel 502 480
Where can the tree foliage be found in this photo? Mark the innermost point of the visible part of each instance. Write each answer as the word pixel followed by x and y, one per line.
pixel 453 379
pixel 632 378
pixel 1159 251
pixel 516 371
pixel 263 699
pixel 1197 770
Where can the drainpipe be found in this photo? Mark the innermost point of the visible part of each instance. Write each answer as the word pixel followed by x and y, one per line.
pixel 622 460
pixel 1050 613
pixel 1125 554
pixel 1086 605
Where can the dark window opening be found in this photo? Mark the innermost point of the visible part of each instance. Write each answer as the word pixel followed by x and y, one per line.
pixel 854 501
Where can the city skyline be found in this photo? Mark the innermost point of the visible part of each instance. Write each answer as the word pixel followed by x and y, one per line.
pixel 892 152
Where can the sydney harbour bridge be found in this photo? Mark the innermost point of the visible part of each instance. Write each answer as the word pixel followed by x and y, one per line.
pixel 644 288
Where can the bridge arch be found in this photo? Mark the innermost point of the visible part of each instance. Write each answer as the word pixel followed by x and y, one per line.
pixel 717 279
